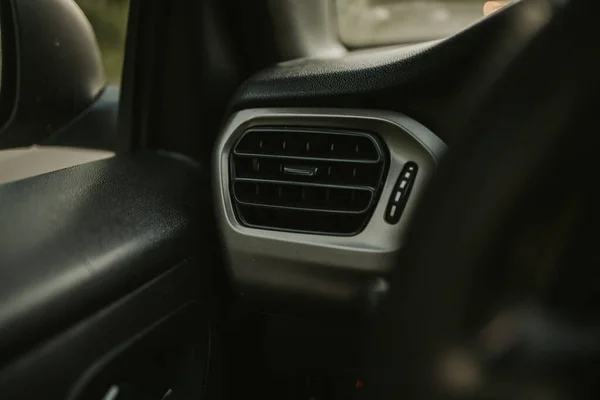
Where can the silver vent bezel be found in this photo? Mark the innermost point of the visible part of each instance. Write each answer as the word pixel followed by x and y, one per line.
pixel 292 262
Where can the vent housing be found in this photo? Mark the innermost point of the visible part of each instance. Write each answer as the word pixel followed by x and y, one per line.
pixel 307 180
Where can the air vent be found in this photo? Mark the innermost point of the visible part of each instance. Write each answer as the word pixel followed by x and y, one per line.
pixel 307 180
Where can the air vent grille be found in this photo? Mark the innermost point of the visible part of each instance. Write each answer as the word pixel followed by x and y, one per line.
pixel 307 180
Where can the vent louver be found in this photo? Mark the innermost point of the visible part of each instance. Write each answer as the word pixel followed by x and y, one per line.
pixel 306 180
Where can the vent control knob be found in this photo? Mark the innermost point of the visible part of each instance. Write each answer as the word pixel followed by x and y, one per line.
pixel 300 171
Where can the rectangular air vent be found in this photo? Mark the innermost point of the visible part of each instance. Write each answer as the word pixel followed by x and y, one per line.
pixel 307 180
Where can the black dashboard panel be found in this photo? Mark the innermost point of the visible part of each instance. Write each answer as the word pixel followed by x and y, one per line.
pixel 433 82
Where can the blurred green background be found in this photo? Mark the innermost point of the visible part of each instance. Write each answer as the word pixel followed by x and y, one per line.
pixel 109 19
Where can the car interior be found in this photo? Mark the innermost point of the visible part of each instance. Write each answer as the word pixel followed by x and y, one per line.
pixel 261 211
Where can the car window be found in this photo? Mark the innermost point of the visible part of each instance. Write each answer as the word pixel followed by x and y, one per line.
pixel 109 20
pixel 382 22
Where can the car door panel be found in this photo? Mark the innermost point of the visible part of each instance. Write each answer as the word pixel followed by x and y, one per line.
pixel 100 250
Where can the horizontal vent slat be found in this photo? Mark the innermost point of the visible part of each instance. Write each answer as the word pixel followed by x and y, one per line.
pixel 327 172
pixel 305 180
pixel 303 158
pixel 303 196
pixel 301 220
pixel 300 183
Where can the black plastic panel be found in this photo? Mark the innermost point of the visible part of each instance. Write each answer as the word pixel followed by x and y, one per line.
pixel 153 322
pixel 310 197
pixel 326 172
pixel 436 83
pixel 75 240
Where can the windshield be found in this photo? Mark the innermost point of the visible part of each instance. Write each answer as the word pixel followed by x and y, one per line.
pixel 381 22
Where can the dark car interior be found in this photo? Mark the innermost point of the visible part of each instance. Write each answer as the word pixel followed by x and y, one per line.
pixel 259 211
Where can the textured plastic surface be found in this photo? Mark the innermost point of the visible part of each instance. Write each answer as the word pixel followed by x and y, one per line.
pixel 74 240
pixel 21 163
pixel 82 357
pixel 436 83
